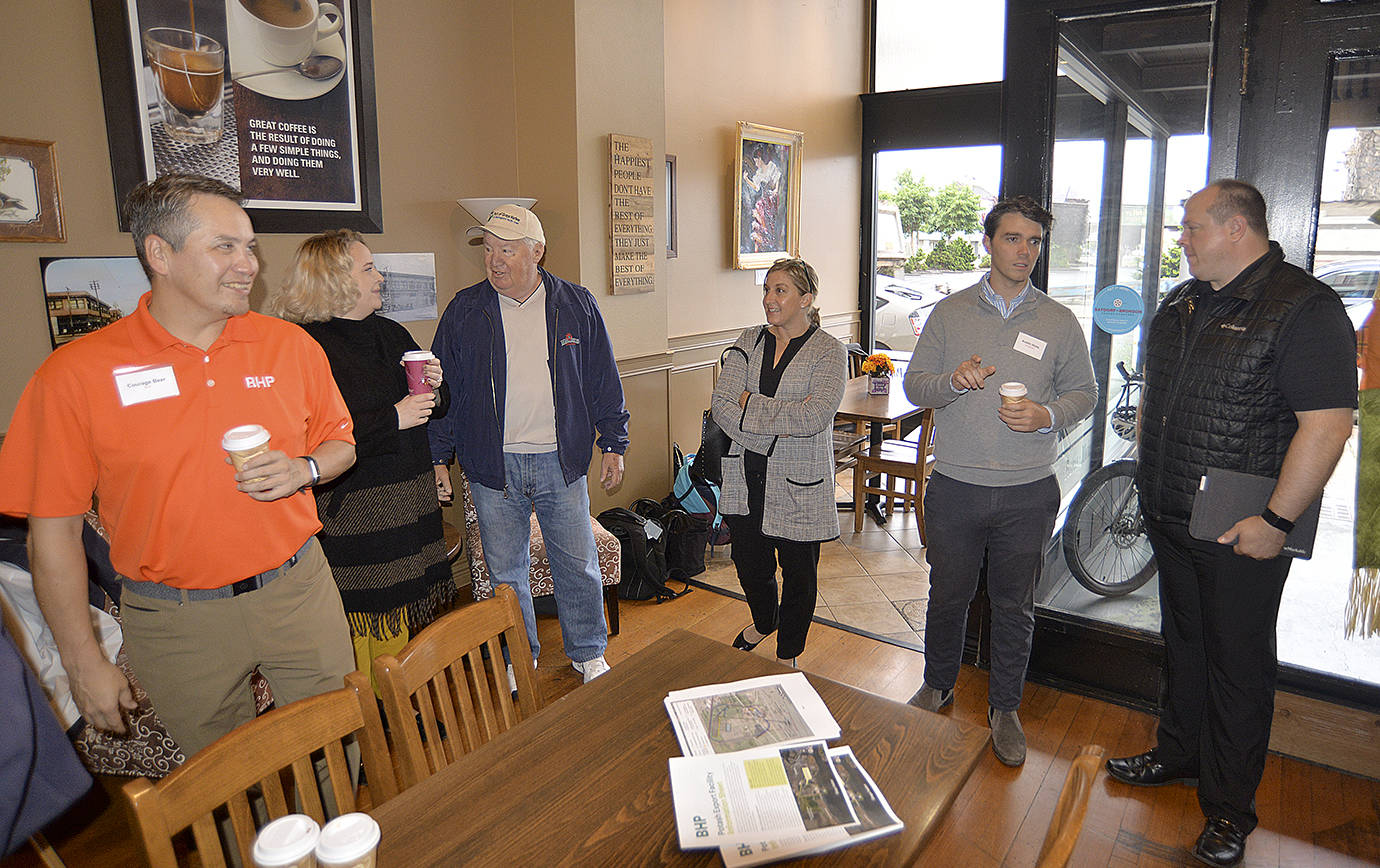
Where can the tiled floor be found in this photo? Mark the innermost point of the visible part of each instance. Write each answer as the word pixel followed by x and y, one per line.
pixel 875 581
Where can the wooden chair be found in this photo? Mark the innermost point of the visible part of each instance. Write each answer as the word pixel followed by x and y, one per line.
pixel 908 461
pixel 441 679
pixel 1067 821
pixel 261 756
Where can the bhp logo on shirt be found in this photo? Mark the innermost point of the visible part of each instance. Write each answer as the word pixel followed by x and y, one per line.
pixel 264 382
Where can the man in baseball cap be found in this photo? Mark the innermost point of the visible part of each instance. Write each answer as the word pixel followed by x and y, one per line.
pixel 534 380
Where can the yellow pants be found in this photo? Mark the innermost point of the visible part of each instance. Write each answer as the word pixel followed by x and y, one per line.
pixel 367 648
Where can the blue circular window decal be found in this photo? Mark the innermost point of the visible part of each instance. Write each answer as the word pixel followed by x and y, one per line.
pixel 1117 309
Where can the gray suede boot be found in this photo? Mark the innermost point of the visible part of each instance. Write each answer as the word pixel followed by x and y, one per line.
pixel 1008 739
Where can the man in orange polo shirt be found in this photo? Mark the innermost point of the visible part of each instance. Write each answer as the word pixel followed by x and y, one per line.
pixel 221 572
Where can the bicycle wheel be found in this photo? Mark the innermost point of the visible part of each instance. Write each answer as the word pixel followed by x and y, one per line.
pixel 1104 538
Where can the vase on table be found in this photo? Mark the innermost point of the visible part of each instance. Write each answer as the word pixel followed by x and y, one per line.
pixel 879 385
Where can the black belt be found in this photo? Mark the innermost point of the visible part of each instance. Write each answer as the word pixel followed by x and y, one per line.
pixel 160 591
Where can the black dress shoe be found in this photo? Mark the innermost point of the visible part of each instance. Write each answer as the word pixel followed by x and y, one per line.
pixel 1222 843
pixel 742 644
pixel 1144 770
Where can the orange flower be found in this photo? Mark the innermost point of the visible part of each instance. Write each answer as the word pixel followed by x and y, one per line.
pixel 878 365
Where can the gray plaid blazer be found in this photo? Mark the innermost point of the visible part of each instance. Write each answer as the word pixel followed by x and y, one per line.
pixel 794 430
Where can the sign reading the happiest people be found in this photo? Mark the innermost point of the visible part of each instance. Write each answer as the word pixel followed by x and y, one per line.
pixel 632 228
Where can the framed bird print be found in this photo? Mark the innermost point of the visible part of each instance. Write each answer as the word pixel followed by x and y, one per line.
pixel 30 207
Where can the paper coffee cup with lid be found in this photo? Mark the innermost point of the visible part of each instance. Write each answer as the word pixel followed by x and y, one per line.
pixel 287 842
pixel 414 363
pixel 348 841
pixel 243 442
pixel 1012 393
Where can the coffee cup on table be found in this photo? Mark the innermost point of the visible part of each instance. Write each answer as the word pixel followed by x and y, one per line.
pixel 287 842
pixel 414 363
pixel 1012 393
pixel 243 442
pixel 348 841
pixel 284 32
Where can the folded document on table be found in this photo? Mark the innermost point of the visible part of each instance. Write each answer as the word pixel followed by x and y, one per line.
pixel 875 819
pixel 752 713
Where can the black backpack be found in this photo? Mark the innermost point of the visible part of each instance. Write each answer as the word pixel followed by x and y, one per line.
pixel 643 543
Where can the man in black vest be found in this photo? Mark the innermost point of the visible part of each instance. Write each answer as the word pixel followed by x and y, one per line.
pixel 1249 367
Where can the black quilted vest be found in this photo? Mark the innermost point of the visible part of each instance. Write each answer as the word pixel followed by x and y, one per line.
pixel 1210 397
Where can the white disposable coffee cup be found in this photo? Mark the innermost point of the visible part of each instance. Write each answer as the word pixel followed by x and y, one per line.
pixel 243 442
pixel 287 842
pixel 1012 393
pixel 348 841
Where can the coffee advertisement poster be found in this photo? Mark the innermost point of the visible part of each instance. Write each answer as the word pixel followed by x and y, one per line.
pixel 260 94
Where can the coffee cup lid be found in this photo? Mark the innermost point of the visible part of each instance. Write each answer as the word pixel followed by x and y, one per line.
pixel 286 840
pixel 1013 388
pixel 244 437
pixel 414 355
pixel 348 836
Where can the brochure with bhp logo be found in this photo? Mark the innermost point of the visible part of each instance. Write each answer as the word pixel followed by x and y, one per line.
pixel 1226 496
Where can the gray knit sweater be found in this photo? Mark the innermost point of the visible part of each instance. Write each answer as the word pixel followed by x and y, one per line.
pixel 972 444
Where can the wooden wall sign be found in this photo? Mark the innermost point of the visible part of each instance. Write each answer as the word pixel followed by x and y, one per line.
pixel 632 228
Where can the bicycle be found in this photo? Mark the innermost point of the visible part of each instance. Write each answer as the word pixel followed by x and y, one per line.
pixel 1104 538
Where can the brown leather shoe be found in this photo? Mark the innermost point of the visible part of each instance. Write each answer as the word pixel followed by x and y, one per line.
pixel 1222 843
pixel 1144 770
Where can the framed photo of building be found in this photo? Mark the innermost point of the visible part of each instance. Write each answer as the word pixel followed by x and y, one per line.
pixel 766 186
pixel 84 293
pixel 30 205
pixel 274 98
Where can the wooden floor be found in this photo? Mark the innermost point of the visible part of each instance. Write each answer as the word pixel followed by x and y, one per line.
pixel 1309 816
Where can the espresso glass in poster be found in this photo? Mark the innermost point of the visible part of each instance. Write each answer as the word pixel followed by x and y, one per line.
pixel 273 97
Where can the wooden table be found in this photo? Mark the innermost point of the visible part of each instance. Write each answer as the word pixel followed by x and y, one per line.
pixel 585 781
pixel 877 411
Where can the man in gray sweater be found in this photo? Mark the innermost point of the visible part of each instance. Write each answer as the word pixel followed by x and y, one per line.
pixel 993 489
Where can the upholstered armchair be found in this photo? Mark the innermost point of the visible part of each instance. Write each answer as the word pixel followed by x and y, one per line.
pixel 481 584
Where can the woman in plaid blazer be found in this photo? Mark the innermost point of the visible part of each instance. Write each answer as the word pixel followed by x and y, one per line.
pixel 776 397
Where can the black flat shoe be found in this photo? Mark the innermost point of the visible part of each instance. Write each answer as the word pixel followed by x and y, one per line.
pixel 742 644
pixel 1144 770
pixel 1222 843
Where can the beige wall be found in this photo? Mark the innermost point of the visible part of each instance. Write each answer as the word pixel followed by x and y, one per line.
pixel 518 97
pixel 431 147
pixel 798 64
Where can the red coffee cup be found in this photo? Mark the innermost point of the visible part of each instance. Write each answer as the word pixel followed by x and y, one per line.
pixel 414 363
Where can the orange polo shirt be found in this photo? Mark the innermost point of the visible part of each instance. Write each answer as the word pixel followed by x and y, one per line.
pixel 135 416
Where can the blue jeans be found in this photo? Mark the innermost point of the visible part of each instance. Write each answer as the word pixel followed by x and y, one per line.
pixel 535 481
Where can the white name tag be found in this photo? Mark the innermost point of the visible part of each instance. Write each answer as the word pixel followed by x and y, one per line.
pixel 145 383
pixel 1033 347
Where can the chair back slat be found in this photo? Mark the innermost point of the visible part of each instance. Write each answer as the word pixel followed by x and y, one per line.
pixel 255 755
pixel 242 820
pixel 462 705
pixel 304 789
pixel 463 700
pixel 272 788
pixel 208 842
pixel 1067 822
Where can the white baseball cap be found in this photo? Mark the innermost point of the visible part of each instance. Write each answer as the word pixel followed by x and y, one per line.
pixel 511 222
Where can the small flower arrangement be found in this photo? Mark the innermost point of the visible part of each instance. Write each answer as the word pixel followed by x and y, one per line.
pixel 878 365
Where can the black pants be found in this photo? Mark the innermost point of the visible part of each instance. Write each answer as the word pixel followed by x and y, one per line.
pixel 1217 614
pixel 756 557
pixel 1011 525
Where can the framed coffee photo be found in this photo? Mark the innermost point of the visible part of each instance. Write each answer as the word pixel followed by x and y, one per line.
pixel 766 185
pixel 273 97
pixel 30 204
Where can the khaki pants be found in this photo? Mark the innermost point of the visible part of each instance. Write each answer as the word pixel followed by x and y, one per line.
pixel 194 658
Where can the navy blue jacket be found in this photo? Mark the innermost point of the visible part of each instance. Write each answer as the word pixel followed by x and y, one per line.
pixel 589 395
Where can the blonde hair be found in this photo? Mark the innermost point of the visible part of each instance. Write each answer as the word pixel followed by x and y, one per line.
pixel 803 275
pixel 320 283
